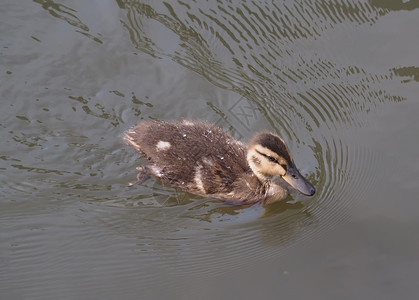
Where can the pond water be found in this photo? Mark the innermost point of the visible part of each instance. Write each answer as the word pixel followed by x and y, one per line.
pixel 339 80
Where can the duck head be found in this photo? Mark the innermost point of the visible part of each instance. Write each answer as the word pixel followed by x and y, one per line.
pixel 268 156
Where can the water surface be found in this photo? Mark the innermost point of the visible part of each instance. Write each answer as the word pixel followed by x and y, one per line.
pixel 338 80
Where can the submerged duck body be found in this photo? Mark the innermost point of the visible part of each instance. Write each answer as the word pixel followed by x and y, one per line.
pixel 202 159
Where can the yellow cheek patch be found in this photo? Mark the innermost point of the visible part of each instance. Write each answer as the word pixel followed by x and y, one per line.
pixel 260 161
pixel 273 169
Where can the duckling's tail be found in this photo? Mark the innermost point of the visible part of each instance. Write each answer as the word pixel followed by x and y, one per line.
pixel 129 137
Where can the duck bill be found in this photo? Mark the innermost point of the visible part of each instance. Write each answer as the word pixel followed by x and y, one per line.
pixel 298 182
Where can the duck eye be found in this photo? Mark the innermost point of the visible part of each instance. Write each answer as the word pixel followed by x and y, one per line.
pixel 272 159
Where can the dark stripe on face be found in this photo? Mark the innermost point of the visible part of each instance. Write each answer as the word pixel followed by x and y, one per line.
pixel 271 158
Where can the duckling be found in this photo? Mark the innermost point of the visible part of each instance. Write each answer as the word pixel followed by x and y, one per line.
pixel 200 158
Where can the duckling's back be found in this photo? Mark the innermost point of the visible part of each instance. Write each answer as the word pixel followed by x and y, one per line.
pixel 191 155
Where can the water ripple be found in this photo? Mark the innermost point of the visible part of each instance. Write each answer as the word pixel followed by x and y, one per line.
pixel 261 51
